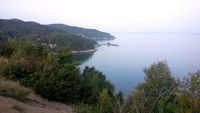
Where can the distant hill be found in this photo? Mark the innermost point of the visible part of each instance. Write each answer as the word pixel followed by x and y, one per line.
pixel 38 33
pixel 87 33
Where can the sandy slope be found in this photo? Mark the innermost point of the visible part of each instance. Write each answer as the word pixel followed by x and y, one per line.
pixel 35 103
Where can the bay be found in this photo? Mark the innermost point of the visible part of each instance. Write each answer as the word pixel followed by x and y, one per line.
pixel 124 65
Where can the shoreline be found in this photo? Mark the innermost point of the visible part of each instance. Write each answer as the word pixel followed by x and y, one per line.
pixel 89 51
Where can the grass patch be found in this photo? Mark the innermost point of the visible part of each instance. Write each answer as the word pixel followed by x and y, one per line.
pixel 19 93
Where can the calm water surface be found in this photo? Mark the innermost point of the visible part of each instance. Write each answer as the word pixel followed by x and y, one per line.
pixel 124 65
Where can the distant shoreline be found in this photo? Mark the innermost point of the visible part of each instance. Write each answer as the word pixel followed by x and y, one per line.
pixel 89 51
pixel 109 44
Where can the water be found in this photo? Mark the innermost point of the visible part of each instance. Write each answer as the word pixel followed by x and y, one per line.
pixel 124 65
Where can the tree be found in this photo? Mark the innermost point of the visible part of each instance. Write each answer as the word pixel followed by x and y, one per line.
pixel 168 104
pixel 59 79
pixel 93 84
pixel 158 82
pixel 105 102
pixel 37 33
pixel 191 85
pixel 120 103
pixel 189 96
pixel 53 76
pixel 64 56
pixel 7 48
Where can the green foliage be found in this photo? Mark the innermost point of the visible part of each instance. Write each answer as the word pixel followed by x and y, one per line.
pixel 28 51
pixel 25 59
pixel 160 93
pixel 167 104
pixel 85 108
pixel 64 56
pixel 88 33
pixel 38 33
pixel 93 84
pixel 191 85
pixel 56 76
pixel 19 93
pixel 58 82
pixel 120 103
pixel 105 102
pixel 189 96
pixel 6 49
pixel 158 80
pixel 13 70
pixel 82 57
pixel 178 102
pixel 158 83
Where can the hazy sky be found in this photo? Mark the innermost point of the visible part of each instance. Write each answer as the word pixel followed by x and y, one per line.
pixel 109 15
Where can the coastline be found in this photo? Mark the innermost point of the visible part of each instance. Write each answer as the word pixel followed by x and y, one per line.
pixel 89 51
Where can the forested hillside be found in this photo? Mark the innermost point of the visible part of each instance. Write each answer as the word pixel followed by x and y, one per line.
pixel 58 78
pixel 54 77
pixel 38 33
pixel 87 33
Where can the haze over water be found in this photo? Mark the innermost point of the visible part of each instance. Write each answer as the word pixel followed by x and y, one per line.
pixel 124 65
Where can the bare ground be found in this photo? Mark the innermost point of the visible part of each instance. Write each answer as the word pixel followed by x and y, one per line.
pixel 35 103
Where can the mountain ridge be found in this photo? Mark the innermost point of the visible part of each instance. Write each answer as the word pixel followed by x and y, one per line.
pixel 39 33
pixel 84 32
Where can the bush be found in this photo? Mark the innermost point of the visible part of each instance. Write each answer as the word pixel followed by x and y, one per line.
pixel 84 108
pixel 19 93
pixel 105 102
pixel 12 70
pixel 6 49
pixel 93 84
pixel 58 85
pixel 3 63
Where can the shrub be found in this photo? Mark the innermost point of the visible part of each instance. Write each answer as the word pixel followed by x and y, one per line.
pixel 85 108
pixel 19 93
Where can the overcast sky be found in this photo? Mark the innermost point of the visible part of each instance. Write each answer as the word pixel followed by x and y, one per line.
pixel 109 15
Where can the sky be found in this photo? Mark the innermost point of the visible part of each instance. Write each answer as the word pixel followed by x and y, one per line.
pixel 109 15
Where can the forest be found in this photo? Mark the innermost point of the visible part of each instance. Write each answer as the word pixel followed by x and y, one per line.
pixel 38 33
pixel 57 77
pixel 87 33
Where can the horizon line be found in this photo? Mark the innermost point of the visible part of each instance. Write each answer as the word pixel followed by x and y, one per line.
pixel 147 33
